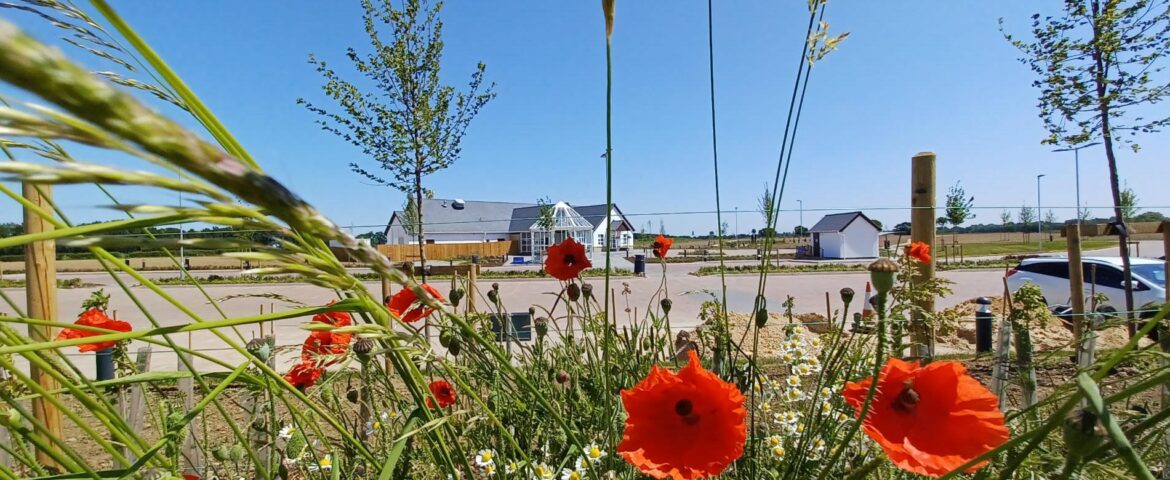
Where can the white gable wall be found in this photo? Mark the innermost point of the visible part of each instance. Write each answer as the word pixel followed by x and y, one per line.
pixel 860 240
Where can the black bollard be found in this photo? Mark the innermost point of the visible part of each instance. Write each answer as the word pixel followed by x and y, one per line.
pixel 983 325
pixel 105 364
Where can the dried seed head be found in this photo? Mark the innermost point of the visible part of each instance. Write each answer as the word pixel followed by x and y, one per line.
pixel 666 304
pixel 362 348
pixel 493 295
pixel 847 295
pixel 587 290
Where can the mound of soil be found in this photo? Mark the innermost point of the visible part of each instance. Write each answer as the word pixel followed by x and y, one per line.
pixel 1052 334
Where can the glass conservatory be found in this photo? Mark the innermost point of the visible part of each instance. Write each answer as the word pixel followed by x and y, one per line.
pixel 564 222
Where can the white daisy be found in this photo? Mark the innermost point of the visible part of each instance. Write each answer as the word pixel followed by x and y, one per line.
pixel 567 474
pixel 485 457
pixel 803 369
pixel 778 451
pixel 843 417
pixel 287 432
pixel 541 471
pixel 792 381
pixel 826 408
pixel 511 468
pixel 324 463
pixel 594 454
pixel 793 395
pixel 775 440
pixel 826 392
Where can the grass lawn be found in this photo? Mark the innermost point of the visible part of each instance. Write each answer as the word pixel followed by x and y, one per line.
pixel 1008 248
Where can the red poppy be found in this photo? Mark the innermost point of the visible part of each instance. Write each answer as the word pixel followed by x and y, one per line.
pixel 304 374
pixel 406 305
pixel 190 476
pixel 327 342
pixel 919 250
pixel 96 318
pixel 566 260
pixel 687 425
pixel 443 392
pixel 661 245
pixel 930 420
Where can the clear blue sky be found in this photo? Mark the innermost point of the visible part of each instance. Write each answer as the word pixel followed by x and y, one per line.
pixel 912 76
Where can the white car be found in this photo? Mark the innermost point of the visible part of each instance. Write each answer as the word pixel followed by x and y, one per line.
pixel 1051 275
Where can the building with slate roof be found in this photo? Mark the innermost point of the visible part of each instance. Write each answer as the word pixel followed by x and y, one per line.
pixel 845 235
pixel 459 221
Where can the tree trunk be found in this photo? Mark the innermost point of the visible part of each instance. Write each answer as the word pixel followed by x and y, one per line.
pixel 418 209
pixel 1114 185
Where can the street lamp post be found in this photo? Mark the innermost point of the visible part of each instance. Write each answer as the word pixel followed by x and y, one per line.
pixel 1077 162
pixel 1039 219
pixel 737 224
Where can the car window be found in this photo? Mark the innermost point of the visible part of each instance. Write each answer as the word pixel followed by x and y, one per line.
pixel 1107 275
pixel 1152 272
pixel 1052 269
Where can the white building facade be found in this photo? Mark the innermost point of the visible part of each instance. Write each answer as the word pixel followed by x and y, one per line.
pixel 845 235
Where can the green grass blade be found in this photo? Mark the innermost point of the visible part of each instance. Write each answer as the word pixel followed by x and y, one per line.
pixel 1097 406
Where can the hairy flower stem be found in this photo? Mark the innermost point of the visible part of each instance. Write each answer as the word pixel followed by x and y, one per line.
pixel 876 373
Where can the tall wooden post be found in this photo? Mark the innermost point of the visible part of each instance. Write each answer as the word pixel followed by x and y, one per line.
pixel 385 287
pixel 1076 286
pixel 40 270
pixel 472 292
pixel 922 216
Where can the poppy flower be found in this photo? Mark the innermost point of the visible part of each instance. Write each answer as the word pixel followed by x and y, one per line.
pixel 304 374
pixel 919 250
pixel 566 260
pixel 443 392
pixel 323 342
pixel 661 245
pixel 686 425
pixel 406 305
pixel 929 420
pixel 96 318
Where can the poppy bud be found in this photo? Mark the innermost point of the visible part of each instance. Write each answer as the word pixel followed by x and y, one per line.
pixel 882 273
pixel 352 395
pixel 222 453
pixel 259 348
pixel 847 295
pixel 362 348
pixel 562 377
pixel 445 338
pixel 236 453
pixel 455 295
pixel 496 286
pixel 456 347
pixel 587 289
pixel 541 325
pixel 573 291
pixel 1083 432
pixel 646 345
pixel 666 304
pixel 493 295
pixel 761 317
pixel 532 312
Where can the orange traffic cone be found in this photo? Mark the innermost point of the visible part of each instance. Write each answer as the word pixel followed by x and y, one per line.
pixel 867 306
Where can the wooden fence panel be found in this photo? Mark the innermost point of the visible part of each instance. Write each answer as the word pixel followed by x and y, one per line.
pixel 445 251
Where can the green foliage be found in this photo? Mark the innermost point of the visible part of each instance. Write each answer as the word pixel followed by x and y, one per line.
pixel 902 228
pixel 376 238
pixel 546 219
pixel 959 205
pixel 1129 204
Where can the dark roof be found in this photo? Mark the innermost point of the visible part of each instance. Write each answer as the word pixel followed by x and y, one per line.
pixel 439 216
pixel 594 214
pixel 839 221
pixel 523 218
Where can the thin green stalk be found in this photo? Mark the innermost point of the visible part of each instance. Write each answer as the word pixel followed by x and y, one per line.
pixel 722 366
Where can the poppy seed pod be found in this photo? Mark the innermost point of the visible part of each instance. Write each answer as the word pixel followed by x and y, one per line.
pixel 847 295
pixel 761 317
pixel 352 395
pixel 562 377
pixel 532 312
pixel 455 295
pixel 882 273
pixel 541 325
pixel 573 291
pixel 259 348
pixel 362 348
pixel 496 286
pixel 493 295
pixel 1083 432
pixel 666 304
pixel 455 344
pixel 587 290
pixel 646 343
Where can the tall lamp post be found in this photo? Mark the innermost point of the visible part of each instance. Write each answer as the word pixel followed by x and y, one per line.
pixel 1039 219
pixel 737 223
pixel 1077 162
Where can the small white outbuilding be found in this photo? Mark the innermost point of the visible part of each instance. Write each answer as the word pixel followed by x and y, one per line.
pixel 845 235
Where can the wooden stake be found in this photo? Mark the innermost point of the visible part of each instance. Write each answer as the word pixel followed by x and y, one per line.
pixel 1076 285
pixel 190 455
pixel 828 312
pixel 385 287
pixel 134 410
pixel 40 271
pixel 472 291
pixel 922 229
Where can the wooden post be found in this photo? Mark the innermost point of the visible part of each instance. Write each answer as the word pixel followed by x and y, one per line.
pixel 5 435
pixel 40 273
pixel 472 292
pixel 190 455
pixel 922 229
pixel 1164 337
pixel 134 409
pixel 1076 285
pixel 385 287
